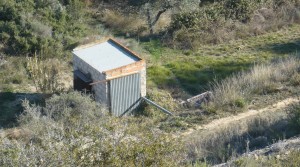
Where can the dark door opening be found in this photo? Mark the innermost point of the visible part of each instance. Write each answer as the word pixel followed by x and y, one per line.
pixel 82 82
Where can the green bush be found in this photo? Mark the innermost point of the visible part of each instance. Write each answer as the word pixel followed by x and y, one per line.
pixel 240 9
pixel 32 26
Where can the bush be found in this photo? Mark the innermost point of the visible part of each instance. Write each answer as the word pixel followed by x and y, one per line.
pixel 240 9
pixel 44 74
pixel 44 26
pixel 228 20
pixel 73 130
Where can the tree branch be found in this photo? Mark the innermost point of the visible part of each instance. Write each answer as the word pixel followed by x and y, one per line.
pixel 158 16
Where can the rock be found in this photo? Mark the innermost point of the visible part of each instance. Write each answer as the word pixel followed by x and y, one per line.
pixel 196 101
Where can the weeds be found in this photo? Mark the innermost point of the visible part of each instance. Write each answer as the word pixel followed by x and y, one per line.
pixel 44 74
pixel 130 24
pixel 235 91
pixel 223 143
pixel 229 20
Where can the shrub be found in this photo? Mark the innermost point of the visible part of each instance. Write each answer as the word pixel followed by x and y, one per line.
pixel 228 20
pixel 73 130
pixel 240 9
pixel 44 74
pixel 40 26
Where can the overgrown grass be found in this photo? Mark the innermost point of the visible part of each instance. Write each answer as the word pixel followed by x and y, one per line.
pixel 224 21
pixel 191 71
pixel 234 92
pixel 16 85
pixel 220 144
pixel 124 23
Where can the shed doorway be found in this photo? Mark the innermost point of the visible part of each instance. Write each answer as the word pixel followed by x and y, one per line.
pixel 82 82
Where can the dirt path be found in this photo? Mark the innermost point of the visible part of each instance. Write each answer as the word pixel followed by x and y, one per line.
pixel 227 120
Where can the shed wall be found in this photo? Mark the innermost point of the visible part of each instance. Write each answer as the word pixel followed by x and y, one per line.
pixel 143 81
pixel 100 90
pixel 125 93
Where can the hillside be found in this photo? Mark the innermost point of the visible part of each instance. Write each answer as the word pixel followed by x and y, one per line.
pixel 245 52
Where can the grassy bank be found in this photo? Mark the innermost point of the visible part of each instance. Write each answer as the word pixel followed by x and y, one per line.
pixel 191 71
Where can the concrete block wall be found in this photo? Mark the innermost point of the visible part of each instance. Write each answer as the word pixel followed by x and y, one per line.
pixel 143 81
pixel 100 89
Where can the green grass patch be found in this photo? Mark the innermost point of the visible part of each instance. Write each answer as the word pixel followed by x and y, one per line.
pixel 192 71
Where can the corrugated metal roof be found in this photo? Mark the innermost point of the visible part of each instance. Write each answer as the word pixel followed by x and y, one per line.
pixel 106 56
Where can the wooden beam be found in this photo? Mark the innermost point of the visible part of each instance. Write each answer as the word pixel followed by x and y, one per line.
pixel 122 75
pixel 97 82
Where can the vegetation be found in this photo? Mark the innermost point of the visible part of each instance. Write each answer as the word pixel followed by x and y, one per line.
pixel 73 130
pixel 229 20
pixel 234 92
pixel 292 159
pixel 228 142
pixel 244 51
pixel 44 74
pixel 49 26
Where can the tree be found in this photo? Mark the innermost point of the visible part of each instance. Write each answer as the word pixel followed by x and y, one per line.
pixel 164 5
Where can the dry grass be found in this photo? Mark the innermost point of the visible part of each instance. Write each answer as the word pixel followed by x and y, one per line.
pixel 127 24
pixel 267 18
pixel 270 19
pixel 51 75
pixel 234 92
pixel 221 144
pixel 163 22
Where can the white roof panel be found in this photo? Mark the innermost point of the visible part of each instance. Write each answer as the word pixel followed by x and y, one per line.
pixel 106 56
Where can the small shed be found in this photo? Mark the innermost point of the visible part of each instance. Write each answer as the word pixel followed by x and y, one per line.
pixel 114 74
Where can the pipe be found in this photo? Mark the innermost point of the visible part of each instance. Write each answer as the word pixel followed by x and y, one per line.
pixel 156 105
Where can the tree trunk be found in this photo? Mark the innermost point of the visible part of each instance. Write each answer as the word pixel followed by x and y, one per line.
pixel 151 22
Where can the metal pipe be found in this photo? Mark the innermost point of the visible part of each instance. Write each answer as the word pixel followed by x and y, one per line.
pixel 156 105
pixel 130 107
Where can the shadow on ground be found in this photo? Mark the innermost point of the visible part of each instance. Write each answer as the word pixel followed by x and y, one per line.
pixel 194 78
pixel 282 48
pixel 233 140
pixel 11 106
